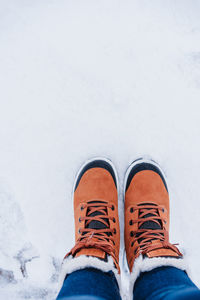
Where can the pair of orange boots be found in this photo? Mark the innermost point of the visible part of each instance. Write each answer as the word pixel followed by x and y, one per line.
pixel 146 218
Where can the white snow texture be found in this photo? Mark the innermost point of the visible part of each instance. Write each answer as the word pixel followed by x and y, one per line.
pixel 79 79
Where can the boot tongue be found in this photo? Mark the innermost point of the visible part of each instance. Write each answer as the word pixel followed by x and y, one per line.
pixel 149 224
pixel 92 252
pixel 97 224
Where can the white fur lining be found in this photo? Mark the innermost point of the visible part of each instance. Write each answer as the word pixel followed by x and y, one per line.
pixel 71 264
pixel 141 264
pixel 147 264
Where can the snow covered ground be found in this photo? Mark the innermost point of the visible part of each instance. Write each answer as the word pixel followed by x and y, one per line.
pixel 80 79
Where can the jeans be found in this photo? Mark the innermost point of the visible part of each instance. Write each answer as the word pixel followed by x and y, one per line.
pixel 168 283
pixel 90 284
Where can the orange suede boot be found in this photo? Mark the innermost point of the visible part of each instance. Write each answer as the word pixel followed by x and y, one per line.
pixel 147 220
pixel 97 233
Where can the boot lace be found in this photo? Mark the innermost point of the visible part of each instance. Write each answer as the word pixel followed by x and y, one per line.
pixel 100 238
pixel 150 228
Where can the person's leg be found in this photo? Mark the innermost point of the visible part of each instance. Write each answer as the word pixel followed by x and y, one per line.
pixel 167 283
pixel 92 265
pixel 90 282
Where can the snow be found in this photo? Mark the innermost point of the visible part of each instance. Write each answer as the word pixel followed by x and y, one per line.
pixel 79 79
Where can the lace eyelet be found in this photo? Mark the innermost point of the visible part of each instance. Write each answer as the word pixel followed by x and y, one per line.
pixel 114 231
pixel 80 220
pixel 163 210
pixel 132 244
pixel 131 222
pixel 135 251
pixel 82 207
pixel 131 210
pixel 114 220
pixel 131 233
pixel 113 208
pixel 79 231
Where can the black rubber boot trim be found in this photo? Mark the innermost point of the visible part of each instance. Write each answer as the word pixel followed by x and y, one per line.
pixel 141 167
pixel 97 164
